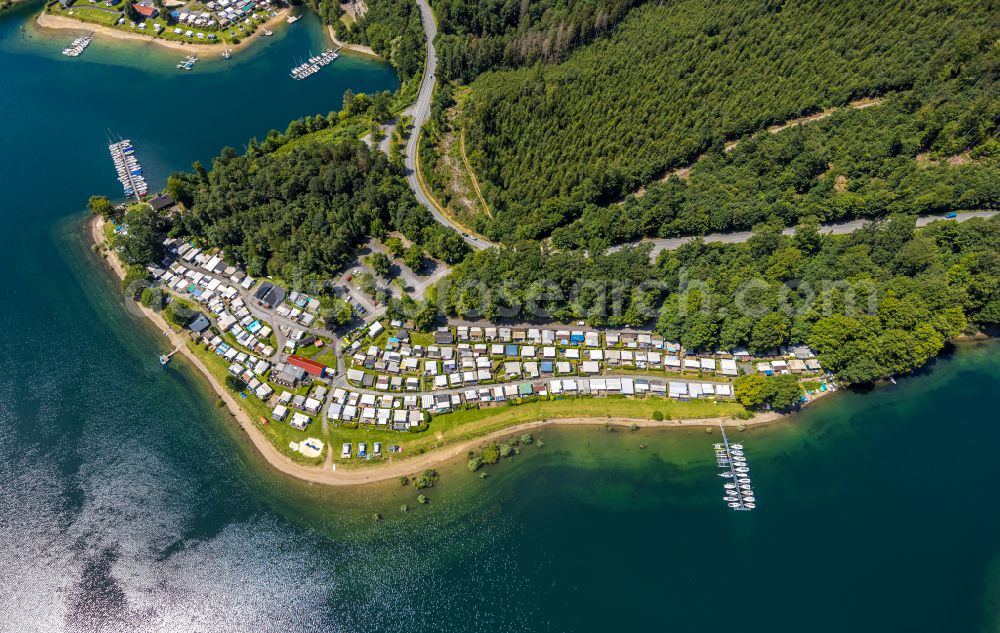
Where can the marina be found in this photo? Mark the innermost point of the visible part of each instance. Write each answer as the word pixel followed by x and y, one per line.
pixel 737 488
pixel 129 169
pixel 314 65
pixel 78 45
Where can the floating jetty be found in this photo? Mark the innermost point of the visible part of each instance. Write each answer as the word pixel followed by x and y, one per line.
pixel 292 19
pixel 738 489
pixel 78 45
pixel 129 169
pixel 188 62
pixel 165 358
pixel 314 65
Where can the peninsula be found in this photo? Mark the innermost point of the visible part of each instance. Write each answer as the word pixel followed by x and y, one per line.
pixel 409 337
pixel 440 440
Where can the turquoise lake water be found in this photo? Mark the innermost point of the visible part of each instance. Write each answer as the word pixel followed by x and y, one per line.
pixel 129 503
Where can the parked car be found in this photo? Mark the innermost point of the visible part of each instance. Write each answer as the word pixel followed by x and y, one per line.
pixel 951 216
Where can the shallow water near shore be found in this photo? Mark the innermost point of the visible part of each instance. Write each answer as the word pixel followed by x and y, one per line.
pixel 130 502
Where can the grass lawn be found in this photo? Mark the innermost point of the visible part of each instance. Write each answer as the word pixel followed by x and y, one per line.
pixel 460 425
pixel 109 233
pixel 329 135
pixel 91 14
pixel 421 338
pixel 309 351
pixel 327 357
pixel 280 433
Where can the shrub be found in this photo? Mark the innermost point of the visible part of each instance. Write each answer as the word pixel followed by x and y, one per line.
pixel 404 508
pixel 475 463
pixel 426 479
pixel 505 450
pixel 491 454
pixel 422 499
pixel 527 438
pixel 658 415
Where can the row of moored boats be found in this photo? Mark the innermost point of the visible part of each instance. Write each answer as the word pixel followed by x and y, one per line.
pixel 314 65
pixel 738 488
pixel 78 45
pixel 129 169
pixel 188 62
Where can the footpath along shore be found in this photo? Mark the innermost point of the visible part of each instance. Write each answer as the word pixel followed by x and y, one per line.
pixel 389 469
pixel 47 21
pixel 357 48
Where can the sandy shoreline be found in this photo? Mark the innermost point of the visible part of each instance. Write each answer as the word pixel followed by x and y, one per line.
pixel 355 48
pixel 63 23
pixel 391 469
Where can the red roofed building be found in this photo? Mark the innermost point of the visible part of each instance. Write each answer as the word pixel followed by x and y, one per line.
pixel 146 10
pixel 311 366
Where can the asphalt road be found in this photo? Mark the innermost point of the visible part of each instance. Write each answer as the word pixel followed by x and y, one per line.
pixel 839 228
pixel 420 111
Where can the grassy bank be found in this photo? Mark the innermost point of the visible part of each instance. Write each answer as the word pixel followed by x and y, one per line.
pixel 471 423
pixel 279 433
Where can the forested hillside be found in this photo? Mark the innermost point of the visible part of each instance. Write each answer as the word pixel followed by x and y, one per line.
pixel 480 35
pixel 898 157
pixel 295 207
pixel 391 27
pixel 677 79
pixel 875 303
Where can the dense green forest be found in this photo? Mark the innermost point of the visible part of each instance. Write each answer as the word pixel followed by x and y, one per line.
pixel 677 79
pixel 299 204
pixel 391 27
pixel 897 157
pixel 878 302
pixel 479 35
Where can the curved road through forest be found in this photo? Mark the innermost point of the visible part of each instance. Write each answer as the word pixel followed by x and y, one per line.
pixel 420 111
pixel 839 228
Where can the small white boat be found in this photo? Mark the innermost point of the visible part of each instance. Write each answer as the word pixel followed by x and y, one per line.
pixel 749 499
pixel 736 447
pixel 729 486
pixel 727 475
pixel 745 487
pixel 749 505
pixel 164 359
pixel 734 504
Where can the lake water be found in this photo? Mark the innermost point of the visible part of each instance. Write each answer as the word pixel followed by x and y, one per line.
pixel 128 502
